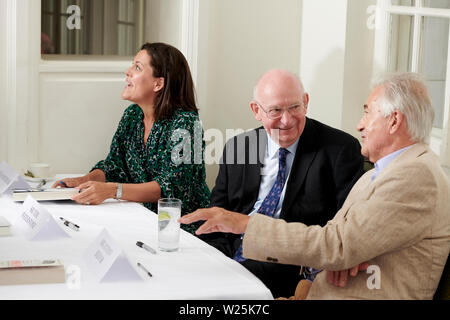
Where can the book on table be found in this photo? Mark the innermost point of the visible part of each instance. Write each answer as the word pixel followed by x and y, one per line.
pixel 15 272
pixel 5 227
pixel 51 194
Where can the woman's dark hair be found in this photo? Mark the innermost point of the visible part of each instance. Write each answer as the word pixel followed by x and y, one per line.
pixel 178 92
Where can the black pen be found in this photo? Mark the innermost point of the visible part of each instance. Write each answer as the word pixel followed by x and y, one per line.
pixel 143 268
pixel 70 224
pixel 146 247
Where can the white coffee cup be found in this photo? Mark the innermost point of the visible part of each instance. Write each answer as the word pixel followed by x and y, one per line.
pixel 40 170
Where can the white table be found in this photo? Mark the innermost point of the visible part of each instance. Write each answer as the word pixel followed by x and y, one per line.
pixel 196 271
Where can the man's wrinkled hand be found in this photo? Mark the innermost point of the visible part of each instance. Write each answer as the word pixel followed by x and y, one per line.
pixel 339 278
pixel 217 220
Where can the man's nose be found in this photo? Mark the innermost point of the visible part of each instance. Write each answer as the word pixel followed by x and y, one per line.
pixel 360 125
pixel 286 118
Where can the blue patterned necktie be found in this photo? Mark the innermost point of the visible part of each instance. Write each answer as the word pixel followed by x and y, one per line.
pixel 270 203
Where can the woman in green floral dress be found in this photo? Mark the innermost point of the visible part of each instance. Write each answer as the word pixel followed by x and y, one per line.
pixel 157 150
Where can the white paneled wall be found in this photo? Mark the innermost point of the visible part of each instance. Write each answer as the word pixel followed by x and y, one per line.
pixel 78 115
pixel 238 42
pixel 3 93
pixel 65 112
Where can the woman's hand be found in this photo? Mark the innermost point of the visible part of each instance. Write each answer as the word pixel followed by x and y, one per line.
pixel 69 182
pixel 93 192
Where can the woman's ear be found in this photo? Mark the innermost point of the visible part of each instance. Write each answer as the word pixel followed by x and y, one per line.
pixel 159 84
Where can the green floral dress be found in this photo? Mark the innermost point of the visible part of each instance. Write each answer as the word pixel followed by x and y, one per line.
pixel 172 156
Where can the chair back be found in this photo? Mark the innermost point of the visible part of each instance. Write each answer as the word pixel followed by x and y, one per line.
pixel 443 290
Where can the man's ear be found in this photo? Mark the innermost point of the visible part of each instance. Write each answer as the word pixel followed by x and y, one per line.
pixel 306 101
pixel 255 108
pixel 397 119
pixel 159 84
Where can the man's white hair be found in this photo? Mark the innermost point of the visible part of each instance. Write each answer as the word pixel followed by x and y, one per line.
pixel 407 93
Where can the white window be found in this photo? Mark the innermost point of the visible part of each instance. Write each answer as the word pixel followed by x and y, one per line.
pixel 100 27
pixel 413 35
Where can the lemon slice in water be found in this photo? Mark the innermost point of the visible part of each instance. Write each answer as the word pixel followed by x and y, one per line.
pixel 163 216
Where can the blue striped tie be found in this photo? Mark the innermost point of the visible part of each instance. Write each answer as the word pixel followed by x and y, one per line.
pixel 270 203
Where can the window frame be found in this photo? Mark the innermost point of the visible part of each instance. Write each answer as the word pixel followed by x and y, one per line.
pixel 98 40
pixel 439 141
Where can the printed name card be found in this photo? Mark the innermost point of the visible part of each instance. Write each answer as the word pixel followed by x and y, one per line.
pixel 10 179
pixel 107 262
pixel 37 223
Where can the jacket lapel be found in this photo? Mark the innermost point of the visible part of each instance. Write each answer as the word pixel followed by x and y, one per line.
pixel 304 156
pixel 252 171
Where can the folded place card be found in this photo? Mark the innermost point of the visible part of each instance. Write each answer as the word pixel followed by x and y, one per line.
pixel 10 179
pixel 107 262
pixel 37 223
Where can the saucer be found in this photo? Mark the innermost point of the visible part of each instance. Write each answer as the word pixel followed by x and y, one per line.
pixel 29 179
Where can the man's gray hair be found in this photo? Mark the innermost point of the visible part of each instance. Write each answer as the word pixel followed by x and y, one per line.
pixel 407 93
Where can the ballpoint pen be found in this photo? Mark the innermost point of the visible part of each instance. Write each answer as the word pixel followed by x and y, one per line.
pixel 62 183
pixel 69 224
pixel 146 247
pixel 143 268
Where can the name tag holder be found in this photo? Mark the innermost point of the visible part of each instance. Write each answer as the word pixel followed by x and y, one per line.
pixel 106 260
pixel 10 179
pixel 36 223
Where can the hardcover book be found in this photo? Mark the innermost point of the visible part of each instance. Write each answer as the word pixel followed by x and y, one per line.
pixel 5 227
pixel 16 272
pixel 46 194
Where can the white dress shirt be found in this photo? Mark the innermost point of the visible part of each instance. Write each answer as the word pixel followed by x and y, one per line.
pixel 269 173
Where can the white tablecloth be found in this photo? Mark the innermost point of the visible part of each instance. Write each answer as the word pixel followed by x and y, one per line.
pixel 196 271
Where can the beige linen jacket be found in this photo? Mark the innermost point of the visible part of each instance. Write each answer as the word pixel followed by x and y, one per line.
pixel 399 223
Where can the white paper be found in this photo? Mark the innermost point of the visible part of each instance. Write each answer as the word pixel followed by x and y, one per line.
pixel 10 179
pixel 20 183
pixel 36 223
pixel 106 261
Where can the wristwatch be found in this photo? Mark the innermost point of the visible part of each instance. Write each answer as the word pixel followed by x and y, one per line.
pixel 119 191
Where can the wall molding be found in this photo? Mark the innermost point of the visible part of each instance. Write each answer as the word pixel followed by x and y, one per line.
pixel 77 66
pixel 189 35
pixel 11 101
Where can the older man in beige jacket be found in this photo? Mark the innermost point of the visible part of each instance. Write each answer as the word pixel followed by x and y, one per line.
pixel 396 217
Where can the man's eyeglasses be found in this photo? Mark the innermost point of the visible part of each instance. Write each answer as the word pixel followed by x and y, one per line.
pixel 275 113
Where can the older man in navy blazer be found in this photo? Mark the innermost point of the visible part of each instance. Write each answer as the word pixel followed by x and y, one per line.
pixel 293 168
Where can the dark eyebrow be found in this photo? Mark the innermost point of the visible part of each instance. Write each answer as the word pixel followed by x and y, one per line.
pixel 136 62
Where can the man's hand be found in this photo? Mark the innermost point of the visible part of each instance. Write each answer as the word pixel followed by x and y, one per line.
pixel 339 278
pixel 217 220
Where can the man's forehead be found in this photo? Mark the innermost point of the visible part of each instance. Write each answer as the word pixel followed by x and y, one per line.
pixel 279 95
pixel 374 96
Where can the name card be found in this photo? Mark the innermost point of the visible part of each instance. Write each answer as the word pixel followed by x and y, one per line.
pixel 10 179
pixel 107 262
pixel 37 223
